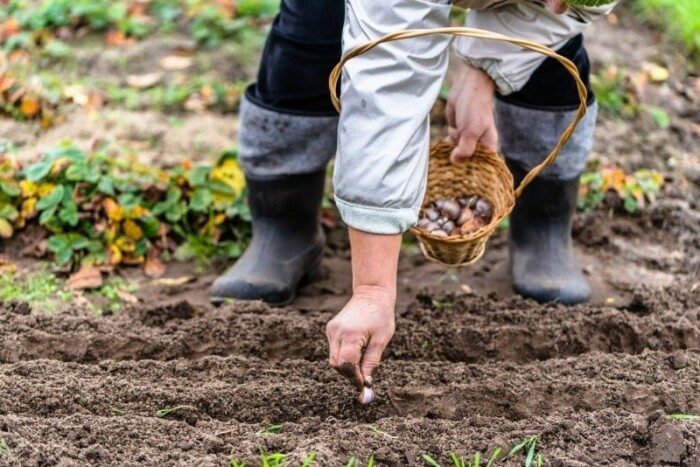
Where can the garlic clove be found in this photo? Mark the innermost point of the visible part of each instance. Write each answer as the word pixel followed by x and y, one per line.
pixel 367 396
pixel 465 216
pixel 439 233
pixel 423 223
pixel 450 209
pixel 448 226
pixel 484 208
pixel 432 214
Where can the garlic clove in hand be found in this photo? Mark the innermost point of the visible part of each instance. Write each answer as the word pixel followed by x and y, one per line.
pixel 367 396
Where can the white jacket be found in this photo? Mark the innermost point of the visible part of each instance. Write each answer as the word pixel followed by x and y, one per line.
pixel 387 93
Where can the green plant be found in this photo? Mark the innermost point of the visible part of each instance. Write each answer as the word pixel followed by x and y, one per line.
pixel 38 288
pixel 529 446
pixel 103 207
pixel 4 448
pixel 353 462
pixel 427 458
pixel 614 91
pixel 309 459
pixel 275 459
pixel 270 430
pixel 634 190
pixel 476 460
pixel 680 18
pixel 684 417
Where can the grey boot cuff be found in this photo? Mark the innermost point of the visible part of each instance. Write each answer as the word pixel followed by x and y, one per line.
pixel 528 135
pixel 273 144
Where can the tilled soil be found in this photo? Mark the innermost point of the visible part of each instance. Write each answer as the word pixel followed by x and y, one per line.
pixel 596 384
pixel 470 368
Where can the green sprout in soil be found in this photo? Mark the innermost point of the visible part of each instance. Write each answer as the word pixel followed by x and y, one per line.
pixel 353 462
pixel 476 460
pixel 163 413
pixel 270 430
pixel 684 417
pixel 442 304
pixel 309 459
pixel 275 459
pixel 529 447
pixel 4 448
pixel 375 429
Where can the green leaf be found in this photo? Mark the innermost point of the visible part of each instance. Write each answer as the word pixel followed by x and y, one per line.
pixel 151 226
pixel 660 116
pixel 198 176
pixel 47 215
pixel 9 212
pixel 201 200
pixel 10 188
pixel 69 214
pixel 37 172
pixel 106 186
pixel 52 200
pixel 6 229
pixel 430 461
pixel 631 205
pixel 531 453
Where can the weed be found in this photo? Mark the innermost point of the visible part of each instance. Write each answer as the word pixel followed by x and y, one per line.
pixel 684 417
pixel 275 459
pixel 476 460
pixel 353 462
pixel 430 461
pixel 308 460
pixel 38 289
pixel 4 448
pixel 441 304
pixel 529 446
pixel 615 92
pixel 270 430
pixel 375 429
pixel 114 290
pixel 162 413
pixel 634 190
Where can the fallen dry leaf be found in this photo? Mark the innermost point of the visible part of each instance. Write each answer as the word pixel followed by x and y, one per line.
pixel 144 81
pixel 127 297
pixel 656 73
pixel 173 281
pixel 154 267
pixel 176 62
pixel 88 277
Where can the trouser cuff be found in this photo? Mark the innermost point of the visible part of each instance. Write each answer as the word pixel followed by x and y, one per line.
pixel 273 144
pixel 527 135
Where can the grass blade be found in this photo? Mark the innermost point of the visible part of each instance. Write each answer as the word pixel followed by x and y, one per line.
pixel 430 461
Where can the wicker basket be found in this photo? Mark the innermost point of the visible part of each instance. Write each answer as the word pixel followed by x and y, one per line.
pixel 485 174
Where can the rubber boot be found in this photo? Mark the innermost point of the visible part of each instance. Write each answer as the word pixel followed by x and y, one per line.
pixel 542 259
pixel 287 243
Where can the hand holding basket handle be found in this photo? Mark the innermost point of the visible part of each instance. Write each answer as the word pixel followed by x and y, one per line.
pixel 484 174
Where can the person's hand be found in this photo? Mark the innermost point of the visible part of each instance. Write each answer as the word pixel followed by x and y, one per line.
pixel 469 111
pixel 557 6
pixel 358 335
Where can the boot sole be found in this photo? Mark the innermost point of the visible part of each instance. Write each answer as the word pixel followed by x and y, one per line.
pixel 313 273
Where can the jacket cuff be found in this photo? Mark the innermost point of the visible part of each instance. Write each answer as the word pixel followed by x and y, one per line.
pixel 375 220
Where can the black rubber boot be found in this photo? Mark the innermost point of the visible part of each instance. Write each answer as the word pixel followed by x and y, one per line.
pixel 287 242
pixel 542 259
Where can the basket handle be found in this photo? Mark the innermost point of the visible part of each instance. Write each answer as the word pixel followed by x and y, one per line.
pixel 481 34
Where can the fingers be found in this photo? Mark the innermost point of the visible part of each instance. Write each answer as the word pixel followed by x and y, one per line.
pixel 490 138
pixel 371 358
pixel 466 146
pixel 348 363
pixel 557 6
pixel 451 114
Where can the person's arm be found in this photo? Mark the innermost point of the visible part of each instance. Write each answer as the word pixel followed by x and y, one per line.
pixel 381 163
pixel 491 66
pixel 549 23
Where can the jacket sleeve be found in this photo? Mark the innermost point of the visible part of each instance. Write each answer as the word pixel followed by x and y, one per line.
pixel 386 97
pixel 509 65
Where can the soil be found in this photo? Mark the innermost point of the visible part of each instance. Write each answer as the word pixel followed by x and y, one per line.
pixel 471 367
